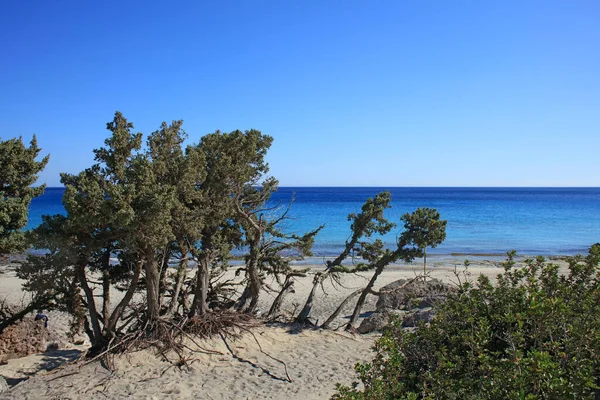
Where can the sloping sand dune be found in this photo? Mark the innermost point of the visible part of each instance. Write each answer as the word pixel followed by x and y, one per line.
pixel 314 359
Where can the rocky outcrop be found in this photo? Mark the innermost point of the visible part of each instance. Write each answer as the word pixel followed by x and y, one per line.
pixel 418 294
pixel 413 301
pixel 378 320
pixel 412 319
pixel 22 339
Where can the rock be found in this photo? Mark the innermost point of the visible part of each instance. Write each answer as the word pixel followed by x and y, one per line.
pixel 428 301
pixel 377 321
pixel 411 320
pixel 418 294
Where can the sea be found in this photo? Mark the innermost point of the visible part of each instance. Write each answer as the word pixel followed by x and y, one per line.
pixel 481 221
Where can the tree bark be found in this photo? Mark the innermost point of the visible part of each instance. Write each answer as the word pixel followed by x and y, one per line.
pixel 253 273
pixel 288 285
pixel 152 286
pixel 305 313
pixel 105 287
pixel 98 340
pixel 118 311
pixel 425 264
pixel 105 296
pixel 180 278
pixel 333 316
pixel 243 298
pixel 363 296
pixel 199 304
pixel 163 269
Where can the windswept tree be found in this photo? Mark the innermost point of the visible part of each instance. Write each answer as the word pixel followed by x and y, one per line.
pixel 239 189
pixel 370 251
pixel 18 172
pixel 426 229
pixel 370 221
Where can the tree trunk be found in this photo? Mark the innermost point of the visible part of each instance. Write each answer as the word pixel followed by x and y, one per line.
pixel 152 283
pixel 239 305
pixel 118 311
pixel 253 273
pixel 305 313
pixel 98 340
pixel 105 287
pixel 338 310
pixel 180 278
pixel 163 269
pixel 199 304
pixel 105 296
pixel 288 285
pixel 363 297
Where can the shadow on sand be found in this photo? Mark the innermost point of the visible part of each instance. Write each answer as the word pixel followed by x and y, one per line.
pixel 50 360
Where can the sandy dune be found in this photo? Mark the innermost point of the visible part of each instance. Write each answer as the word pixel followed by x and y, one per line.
pixel 315 359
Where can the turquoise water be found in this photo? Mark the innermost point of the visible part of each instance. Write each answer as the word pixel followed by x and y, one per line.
pixel 480 220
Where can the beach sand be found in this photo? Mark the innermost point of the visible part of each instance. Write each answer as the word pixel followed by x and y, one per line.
pixel 315 359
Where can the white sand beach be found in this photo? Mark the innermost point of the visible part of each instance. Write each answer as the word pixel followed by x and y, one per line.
pixel 314 359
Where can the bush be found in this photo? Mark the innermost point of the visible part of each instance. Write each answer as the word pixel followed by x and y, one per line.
pixel 533 335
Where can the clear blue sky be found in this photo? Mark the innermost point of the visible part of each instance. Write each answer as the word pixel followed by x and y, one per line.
pixel 369 93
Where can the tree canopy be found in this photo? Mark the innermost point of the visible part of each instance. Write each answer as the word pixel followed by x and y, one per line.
pixel 140 209
pixel 426 229
pixel 18 172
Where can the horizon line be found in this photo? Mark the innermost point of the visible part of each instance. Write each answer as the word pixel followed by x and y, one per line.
pixel 419 187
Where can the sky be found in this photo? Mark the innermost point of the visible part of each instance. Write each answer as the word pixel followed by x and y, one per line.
pixel 354 93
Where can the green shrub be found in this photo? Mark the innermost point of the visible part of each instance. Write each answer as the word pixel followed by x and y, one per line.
pixel 533 335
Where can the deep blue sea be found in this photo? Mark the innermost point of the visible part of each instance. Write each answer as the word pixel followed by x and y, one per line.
pixel 545 221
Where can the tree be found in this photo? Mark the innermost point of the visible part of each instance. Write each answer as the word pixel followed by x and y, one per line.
pixel 425 229
pixel 373 254
pixel 120 208
pixel 138 209
pixel 18 172
pixel 364 225
pixel 533 335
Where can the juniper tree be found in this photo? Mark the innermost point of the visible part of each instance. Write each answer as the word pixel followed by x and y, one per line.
pixel 18 172
pixel 121 208
pixel 220 232
pixel 376 257
pixel 178 174
pixel 101 222
pixel 137 208
pixel 363 226
pixel 426 229
pixel 235 212
pixel 250 194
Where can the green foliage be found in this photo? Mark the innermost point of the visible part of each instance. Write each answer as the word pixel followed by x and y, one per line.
pixel 425 229
pixel 18 172
pixel 50 277
pixel 139 208
pixel 364 225
pixel 533 335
